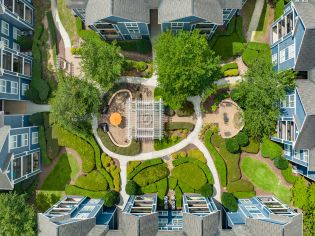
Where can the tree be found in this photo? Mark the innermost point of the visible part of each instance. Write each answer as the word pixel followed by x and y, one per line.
pixel 281 163
pixel 16 215
pixel 132 188
pixel 231 145
pixel 260 95
pixel 74 103
pixel 101 62
pixel 186 66
pixel 111 198
pixel 206 190
pixel 242 139
pixel 229 201
pixel 300 193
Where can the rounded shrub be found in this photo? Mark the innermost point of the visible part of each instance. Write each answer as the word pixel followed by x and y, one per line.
pixel 206 190
pixel 235 94
pixel 281 163
pixel 242 139
pixel 229 201
pixel 217 140
pixel 132 188
pixel 111 198
pixel 232 145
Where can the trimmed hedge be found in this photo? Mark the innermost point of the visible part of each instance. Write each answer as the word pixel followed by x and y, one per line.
pixel 187 109
pixel 172 182
pixel 242 139
pixel 151 174
pixel 185 187
pixel 270 149
pixel 254 50
pixel 171 126
pixel 43 146
pixel 279 9
pixel 142 46
pixel 206 190
pixel 74 190
pixel 240 186
pixel 151 188
pixel 229 201
pixel 132 188
pixel 93 181
pixel 218 160
pixel 288 175
pixel 240 195
pixel 231 72
pixel 232 145
pixel 112 173
pixel 252 147
pixel 217 140
pixel 178 196
pixel 133 149
pixel 190 174
pixel 197 154
pixel 111 198
pixel 144 165
pixel 85 150
pixel 166 142
pixel 162 188
pixel 229 66
pixel 232 164
pixel 204 167
pixel 281 163
pixel 131 166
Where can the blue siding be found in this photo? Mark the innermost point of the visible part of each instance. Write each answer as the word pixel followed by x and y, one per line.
pixel 299 37
pixel 300 112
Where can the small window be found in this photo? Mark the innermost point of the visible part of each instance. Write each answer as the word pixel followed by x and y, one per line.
pixel 3 87
pixel 24 139
pixel 282 56
pixel 34 137
pixel 13 141
pixel 275 58
pixel 5 41
pixel 25 87
pixel 14 87
pixel 16 33
pixel 5 28
pixel 291 50
pixel 16 47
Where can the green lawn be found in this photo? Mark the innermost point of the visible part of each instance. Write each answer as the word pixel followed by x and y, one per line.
pixel 74 165
pixel 262 176
pixel 224 45
pixel 61 175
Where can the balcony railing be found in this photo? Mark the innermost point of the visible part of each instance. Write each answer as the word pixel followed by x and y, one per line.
pixel 20 10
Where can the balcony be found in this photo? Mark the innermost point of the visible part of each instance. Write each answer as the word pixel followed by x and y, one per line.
pixel 18 10
pixel 284 132
pixel 282 28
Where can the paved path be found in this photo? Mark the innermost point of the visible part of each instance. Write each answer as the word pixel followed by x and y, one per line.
pixel 255 19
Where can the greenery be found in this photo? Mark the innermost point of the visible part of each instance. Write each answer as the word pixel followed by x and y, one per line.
pixel 111 198
pixel 229 201
pixel 74 103
pixel 247 13
pixel 113 172
pixel 270 149
pixel 232 145
pixel 252 147
pixel 178 196
pixel 262 176
pixel 74 190
pixel 60 176
pixel 162 189
pixel 171 126
pixel 141 46
pixel 166 142
pixel 45 200
pixel 143 165
pixel 244 194
pixel 206 190
pixel 131 166
pixel 242 139
pixel 94 181
pixel 229 66
pixel 16 215
pixel 151 175
pixel 187 109
pixel 85 150
pixel 101 62
pixel 53 35
pixel 288 175
pixel 199 67
pixel 231 72
pixel 240 186
pixel 151 188
pixel 253 52
pixel 190 174
pixel 172 182
pixel 257 93
pixel 25 42
pixel 197 154
pixel 133 149
pixel 281 163
pixel 279 9
pixel 217 140
pixel 132 188
pixel 43 146
pixel 218 160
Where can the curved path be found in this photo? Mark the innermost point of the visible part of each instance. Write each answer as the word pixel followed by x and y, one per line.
pixel 193 138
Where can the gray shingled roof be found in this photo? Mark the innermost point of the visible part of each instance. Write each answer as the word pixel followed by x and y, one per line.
pixel 306 57
pixel 306 11
pixel 5 183
pixel 76 3
pixel 306 88
pixel 134 10
pixel 311 163
pixel 306 136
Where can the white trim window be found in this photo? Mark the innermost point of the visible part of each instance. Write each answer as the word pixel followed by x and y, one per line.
pixel 16 46
pixel 13 141
pixel 16 33
pixel 282 56
pixel 5 42
pixel 14 87
pixel 177 26
pixel 3 86
pixel 275 58
pixel 304 156
pixel 34 138
pixel 287 150
pixel 133 30
pixel 289 101
pixel 5 28
pixel 24 139
pixel 291 51
pixel 25 87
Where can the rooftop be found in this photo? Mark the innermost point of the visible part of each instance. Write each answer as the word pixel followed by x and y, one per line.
pixel 141 204
pixel 198 205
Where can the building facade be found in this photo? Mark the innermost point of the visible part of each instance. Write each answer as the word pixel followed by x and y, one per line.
pixel 293 47
pixel 141 19
pixel 19 148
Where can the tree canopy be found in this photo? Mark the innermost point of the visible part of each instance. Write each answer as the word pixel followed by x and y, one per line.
pixel 186 66
pixel 74 102
pixel 101 62
pixel 260 93
pixel 16 215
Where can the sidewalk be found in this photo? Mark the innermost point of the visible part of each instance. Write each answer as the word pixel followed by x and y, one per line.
pixel 255 19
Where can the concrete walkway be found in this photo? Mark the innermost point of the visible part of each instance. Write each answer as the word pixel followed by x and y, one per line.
pixel 255 19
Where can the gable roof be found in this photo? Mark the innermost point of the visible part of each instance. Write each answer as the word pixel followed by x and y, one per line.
pixel 76 3
pixel 306 58
pixel 306 88
pixel 5 183
pixel 306 12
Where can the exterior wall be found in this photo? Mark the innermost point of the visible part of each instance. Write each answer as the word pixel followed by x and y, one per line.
pixel 139 225
pixel 263 228
pixel 202 225
pixel 295 227
pixel 45 226
pixel 78 228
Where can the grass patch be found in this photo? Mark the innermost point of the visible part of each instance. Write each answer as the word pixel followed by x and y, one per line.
pixel 252 147
pixel 94 181
pixel 288 175
pixel 240 195
pixel 270 149
pixel 151 175
pixel 166 142
pixel 279 9
pixel 142 46
pixel 263 23
pixel 262 176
